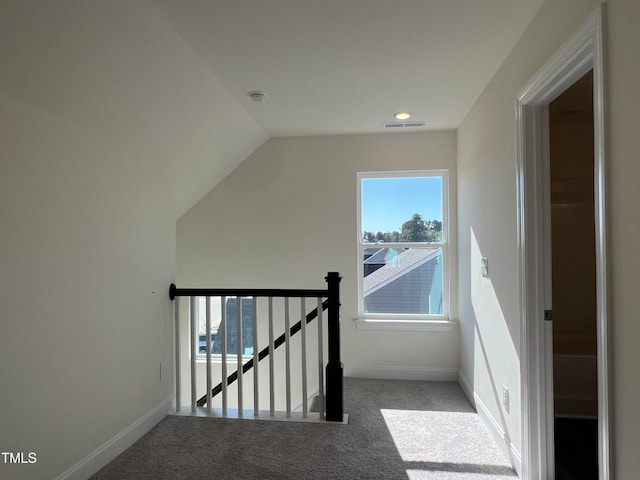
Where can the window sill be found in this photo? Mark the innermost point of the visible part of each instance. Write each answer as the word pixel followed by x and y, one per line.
pixel 405 325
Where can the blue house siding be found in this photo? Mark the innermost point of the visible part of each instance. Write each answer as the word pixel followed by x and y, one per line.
pixel 409 293
pixel 403 280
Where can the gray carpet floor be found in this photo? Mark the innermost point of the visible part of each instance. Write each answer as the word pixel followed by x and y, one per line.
pixel 396 430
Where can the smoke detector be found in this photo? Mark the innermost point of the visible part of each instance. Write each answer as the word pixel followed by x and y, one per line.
pixel 257 96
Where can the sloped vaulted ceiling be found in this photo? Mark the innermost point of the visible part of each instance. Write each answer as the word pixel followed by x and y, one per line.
pixel 122 69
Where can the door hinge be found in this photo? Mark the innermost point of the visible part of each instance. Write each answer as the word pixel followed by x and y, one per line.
pixel 548 315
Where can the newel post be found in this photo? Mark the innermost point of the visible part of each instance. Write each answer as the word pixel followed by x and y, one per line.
pixel 335 368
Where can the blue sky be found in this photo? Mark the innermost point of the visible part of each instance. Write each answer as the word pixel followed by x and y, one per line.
pixel 389 202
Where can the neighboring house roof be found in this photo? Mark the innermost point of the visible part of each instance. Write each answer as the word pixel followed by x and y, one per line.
pixel 376 255
pixel 402 264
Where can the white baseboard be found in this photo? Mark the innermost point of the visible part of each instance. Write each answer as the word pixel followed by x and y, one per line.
pixel 403 373
pixel 501 438
pixel 467 389
pixel 107 452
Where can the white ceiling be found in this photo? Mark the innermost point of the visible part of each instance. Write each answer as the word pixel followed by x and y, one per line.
pixel 345 66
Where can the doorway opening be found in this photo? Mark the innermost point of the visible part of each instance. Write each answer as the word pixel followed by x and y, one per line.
pixel 573 282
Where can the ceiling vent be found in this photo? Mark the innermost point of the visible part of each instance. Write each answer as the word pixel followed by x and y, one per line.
pixel 404 124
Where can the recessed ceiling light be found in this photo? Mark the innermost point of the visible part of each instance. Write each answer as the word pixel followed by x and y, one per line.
pixel 402 115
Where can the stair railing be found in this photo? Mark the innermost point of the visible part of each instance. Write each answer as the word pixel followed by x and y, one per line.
pixel 333 389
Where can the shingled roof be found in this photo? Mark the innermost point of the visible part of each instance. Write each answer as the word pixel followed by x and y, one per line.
pixel 401 264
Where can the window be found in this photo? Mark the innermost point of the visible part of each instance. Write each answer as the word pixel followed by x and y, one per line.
pixel 402 247
pixel 232 325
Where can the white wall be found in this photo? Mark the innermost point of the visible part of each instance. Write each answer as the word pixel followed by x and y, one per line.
pixel 100 103
pixel 490 324
pixel 87 252
pixel 287 216
pixel 624 171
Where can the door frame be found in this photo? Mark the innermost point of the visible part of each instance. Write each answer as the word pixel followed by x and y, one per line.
pixel 582 52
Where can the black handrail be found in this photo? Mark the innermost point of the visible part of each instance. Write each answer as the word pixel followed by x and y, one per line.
pixel 243 292
pixel 334 369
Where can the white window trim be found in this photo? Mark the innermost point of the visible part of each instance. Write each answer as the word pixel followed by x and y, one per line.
pixel 406 322
pixel 404 325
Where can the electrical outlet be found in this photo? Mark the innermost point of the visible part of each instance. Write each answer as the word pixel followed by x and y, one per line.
pixel 505 398
pixel 162 370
